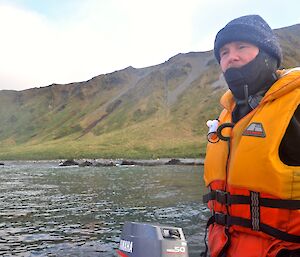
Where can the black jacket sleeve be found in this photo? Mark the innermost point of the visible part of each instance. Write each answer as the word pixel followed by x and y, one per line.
pixel 289 149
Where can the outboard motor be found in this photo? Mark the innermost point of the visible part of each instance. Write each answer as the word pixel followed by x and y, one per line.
pixel 151 240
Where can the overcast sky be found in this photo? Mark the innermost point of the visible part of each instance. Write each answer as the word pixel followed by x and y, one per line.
pixel 63 41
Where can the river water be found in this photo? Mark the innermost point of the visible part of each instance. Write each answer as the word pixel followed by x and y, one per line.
pixel 47 210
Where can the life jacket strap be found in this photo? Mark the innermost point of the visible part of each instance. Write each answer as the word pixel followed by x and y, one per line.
pixel 227 221
pixel 226 198
pixel 222 253
pixel 210 221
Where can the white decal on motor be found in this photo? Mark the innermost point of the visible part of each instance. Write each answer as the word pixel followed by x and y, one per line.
pixel 177 249
pixel 126 246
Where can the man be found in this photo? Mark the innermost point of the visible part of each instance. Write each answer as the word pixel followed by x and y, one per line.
pixel 253 167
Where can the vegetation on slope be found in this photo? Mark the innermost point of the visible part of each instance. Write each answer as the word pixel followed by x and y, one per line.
pixel 154 112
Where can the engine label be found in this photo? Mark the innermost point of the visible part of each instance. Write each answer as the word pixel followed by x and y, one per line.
pixel 176 249
pixel 126 246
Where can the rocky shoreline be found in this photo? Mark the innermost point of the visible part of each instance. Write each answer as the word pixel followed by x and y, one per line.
pixel 107 163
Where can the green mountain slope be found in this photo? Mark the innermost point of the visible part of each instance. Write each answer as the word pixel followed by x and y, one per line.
pixel 158 111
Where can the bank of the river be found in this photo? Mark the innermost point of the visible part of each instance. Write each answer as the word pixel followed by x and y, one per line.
pixel 115 162
pixel 120 162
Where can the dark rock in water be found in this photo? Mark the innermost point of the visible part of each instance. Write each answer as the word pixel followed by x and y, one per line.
pixel 110 163
pixel 105 164
pixel 70 162
pixel 126 162
pixel 1 163
pixel 173 162
pixel 86 164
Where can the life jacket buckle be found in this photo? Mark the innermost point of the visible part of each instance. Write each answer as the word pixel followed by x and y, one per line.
pixel 222 197
pixel 221 219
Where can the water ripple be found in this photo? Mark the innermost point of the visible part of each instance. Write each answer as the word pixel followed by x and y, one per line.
pixel 51 211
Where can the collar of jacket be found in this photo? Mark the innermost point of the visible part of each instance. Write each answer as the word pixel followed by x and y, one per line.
pixel 288 81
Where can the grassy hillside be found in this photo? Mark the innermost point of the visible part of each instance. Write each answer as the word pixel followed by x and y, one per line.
pixel 159 111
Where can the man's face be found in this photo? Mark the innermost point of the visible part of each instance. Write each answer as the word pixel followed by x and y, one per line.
pixel 237 54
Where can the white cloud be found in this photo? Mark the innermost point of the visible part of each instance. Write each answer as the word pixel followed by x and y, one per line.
pixel 104 37
pixel 85 38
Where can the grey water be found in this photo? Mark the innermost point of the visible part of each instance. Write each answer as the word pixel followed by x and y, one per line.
pixel 47 210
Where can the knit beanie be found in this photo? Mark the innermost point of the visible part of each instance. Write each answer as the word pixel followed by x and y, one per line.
pixel 252 29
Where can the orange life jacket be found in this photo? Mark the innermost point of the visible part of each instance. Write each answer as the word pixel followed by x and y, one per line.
pixel 254 196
